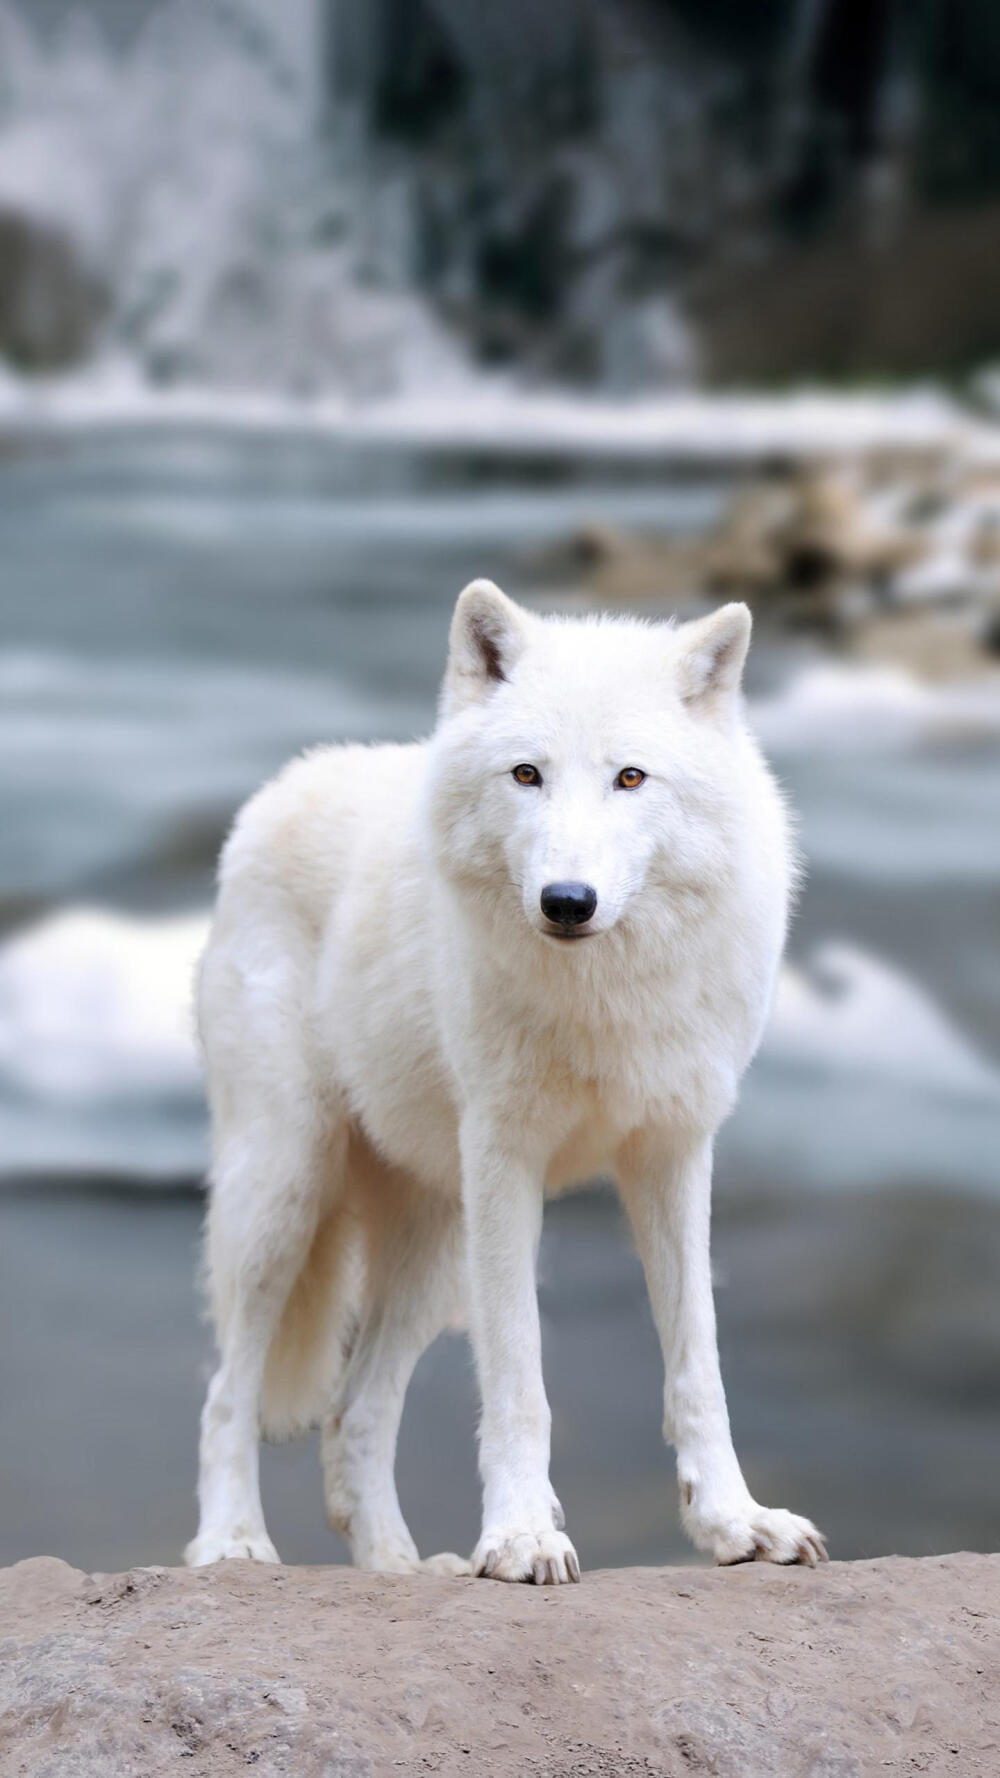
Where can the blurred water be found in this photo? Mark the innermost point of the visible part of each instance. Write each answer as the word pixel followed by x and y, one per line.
pixel 177 616
pixel 182 613
pixel 858 1340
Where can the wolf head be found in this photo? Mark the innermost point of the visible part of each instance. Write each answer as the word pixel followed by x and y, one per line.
pixel 579 767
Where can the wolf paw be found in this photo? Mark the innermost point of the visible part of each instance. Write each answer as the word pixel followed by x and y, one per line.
pixel 546 1558
pixel 757 1534
pixel 210 1547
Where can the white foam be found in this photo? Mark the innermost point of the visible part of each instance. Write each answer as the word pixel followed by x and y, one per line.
pixel 489 413
pixel 849 1012
pixel 863 1084
pixel 96 1004
pixel 99 1070
pixel 833 706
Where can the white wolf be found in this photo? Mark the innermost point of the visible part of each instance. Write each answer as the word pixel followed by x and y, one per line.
pixel 443 979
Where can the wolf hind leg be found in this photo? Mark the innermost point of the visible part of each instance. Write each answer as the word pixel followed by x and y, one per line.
pixel 414 1257
pixel 274 1222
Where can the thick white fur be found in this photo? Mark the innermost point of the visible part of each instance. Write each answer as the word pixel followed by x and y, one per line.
pixel 402 1058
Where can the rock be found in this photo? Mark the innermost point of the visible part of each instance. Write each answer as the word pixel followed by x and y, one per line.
pixel 984 544
pixel 889 1664
pixel 832 531
pixel 794 544
pixel 937 648
pixel 808 535
pixel 592 545
pixel 50 304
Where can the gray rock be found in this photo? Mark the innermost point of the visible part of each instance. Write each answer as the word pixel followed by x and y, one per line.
pixel 856 1668
pixel 50 303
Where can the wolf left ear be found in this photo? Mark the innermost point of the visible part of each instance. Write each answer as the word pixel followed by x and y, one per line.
pixel 712 653
pixel 488 634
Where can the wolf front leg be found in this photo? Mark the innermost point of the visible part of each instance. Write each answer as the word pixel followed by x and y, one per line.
pixel 667 1190
pixel 502 1191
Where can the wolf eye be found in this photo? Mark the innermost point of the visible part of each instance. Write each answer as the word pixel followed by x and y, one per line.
pixel 629 778
pixel 526 774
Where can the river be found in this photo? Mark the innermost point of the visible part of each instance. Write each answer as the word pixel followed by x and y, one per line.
pixel 181 611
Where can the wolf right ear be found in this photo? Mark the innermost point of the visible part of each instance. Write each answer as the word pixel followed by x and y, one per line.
pixel 713 651
pixel 488 633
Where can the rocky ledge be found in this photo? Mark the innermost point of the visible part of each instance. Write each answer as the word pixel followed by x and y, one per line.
pixel 865 1667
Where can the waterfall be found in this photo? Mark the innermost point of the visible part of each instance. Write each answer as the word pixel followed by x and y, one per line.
pixel 357 198
pixel 171 199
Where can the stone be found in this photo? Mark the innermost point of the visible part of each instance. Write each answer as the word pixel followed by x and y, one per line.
pixel 841 1671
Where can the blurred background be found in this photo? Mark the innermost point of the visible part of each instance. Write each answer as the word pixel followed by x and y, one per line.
pixel 311 312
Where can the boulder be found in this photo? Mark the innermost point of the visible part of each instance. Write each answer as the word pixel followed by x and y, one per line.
pixel 50 303
pixel 866 1667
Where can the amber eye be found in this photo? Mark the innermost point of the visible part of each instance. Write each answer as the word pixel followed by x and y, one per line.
pixel 527 774
pixel 629 778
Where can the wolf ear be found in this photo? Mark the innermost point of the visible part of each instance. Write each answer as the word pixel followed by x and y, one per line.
pixel 711 655
pixel 488 633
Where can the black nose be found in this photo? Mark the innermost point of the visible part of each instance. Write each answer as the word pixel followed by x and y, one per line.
pixel 568 904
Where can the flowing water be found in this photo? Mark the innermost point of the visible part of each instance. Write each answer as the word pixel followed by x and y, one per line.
pixel 208 230
pixel 179 614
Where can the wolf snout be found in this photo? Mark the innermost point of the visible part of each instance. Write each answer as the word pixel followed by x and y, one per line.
pixel 568 904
